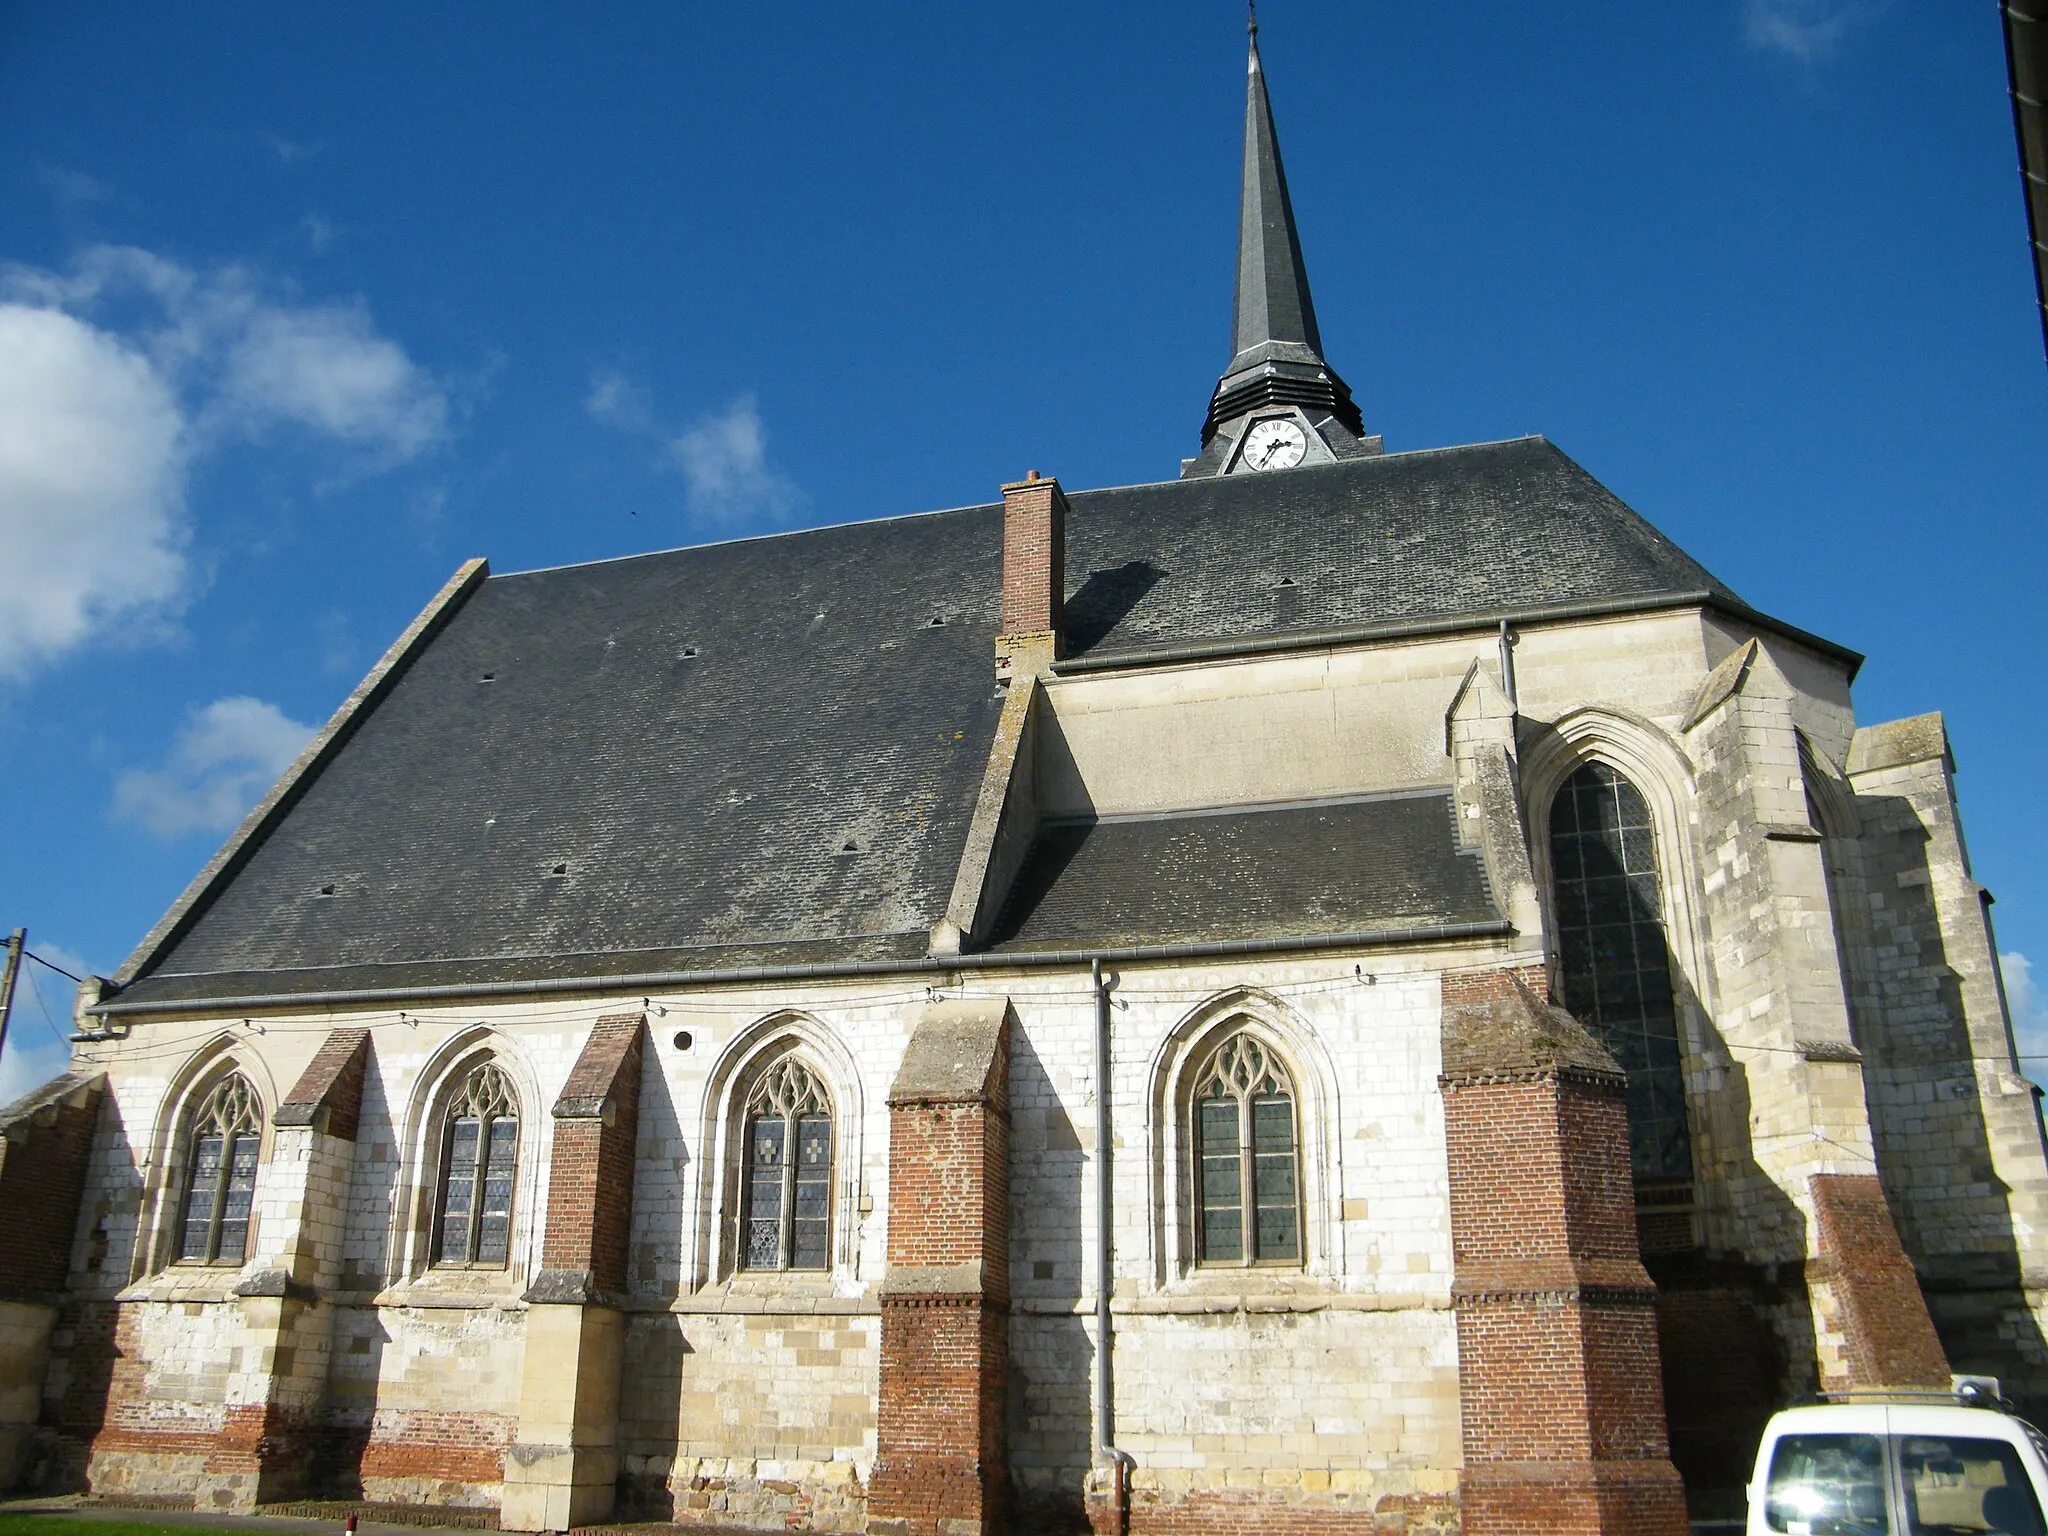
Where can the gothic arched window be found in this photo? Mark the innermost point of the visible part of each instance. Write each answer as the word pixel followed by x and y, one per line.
pixel 1615 964
pixel 479 1170
pixel 1247 1192
pixel 787 1220
pixel 223 1135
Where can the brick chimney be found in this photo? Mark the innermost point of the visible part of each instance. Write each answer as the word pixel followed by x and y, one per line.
pixel 1034 576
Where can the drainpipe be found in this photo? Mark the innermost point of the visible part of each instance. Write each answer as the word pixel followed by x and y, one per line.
pixel 1120 1462
pixel 1507 663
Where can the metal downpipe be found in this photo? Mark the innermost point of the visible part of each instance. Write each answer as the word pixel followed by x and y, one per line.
pixel 1120 1462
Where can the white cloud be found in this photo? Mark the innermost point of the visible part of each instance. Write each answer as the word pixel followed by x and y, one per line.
pixel 223 760
pixel 327 369
pixel 92 486
pixel 724 460
pixel 38 1036
pixel 617 401
pixel 114 376
pixel 1805 30
pixel 33 1055
pixel 2029 1007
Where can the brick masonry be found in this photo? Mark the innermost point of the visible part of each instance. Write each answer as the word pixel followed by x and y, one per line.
pixel 45 1146
pixel 590 1179
pixel 1890 1336
pixel 1034 557
pixel 45 1141
pixel 939 1465
pixel 1559 1373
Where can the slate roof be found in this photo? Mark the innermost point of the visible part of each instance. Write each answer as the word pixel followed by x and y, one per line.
pixel 1353 866
pixel 765 750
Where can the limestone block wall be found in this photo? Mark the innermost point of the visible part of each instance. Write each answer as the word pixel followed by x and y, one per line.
pixel 178 1367
pixel 1344 1408
pixel 752 1418
pixel 422 1402
pixel 1329 1392
pixel 1958 1130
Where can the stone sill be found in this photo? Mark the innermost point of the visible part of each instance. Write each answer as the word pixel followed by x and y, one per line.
pixel 180 1282
pixel 503 1288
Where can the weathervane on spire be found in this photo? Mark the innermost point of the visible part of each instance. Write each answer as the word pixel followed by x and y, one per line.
pixel 1252 17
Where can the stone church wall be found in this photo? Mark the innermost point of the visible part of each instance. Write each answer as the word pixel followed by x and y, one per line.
pixel 1327 1393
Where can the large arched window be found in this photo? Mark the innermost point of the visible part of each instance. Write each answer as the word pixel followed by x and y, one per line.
pixel 1247 1189
pixel 223 1135
pixel 479 1171
pixel 1615 965
pixel 787 1220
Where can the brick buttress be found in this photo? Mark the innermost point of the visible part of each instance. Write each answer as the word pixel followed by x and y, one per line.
pixel 946 1293
pixel 563 1469
pixel 1557 1338
pixel 45 1143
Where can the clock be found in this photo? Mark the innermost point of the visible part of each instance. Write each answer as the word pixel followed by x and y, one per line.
pixel 1277 443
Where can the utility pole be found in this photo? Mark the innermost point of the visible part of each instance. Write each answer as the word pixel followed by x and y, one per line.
pixel 17 941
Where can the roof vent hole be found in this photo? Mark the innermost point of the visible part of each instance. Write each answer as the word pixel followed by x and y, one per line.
pixel 561 869
pixel 1286 581
pixel 488 677
pixel 689 651
pixel 326 890
pixel 938 622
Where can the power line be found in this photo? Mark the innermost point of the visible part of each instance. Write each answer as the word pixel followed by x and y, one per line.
pixel 39 960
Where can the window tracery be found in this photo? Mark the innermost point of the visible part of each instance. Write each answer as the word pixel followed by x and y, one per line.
pixel 1247 1204
pixel 479 1171
pixel 223 1137
pixel 1614 959
pixel 786 1222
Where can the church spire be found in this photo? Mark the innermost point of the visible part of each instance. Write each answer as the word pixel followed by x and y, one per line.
pixel 1276 366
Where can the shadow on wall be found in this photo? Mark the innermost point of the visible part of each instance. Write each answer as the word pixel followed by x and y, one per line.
pixel 85 1345
pixel 369 1264
pixel 1049 1407
pixel 1934 1156
pixel 657 1350
pixel 1734 1327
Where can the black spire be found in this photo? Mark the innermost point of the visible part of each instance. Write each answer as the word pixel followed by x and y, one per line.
pixel 1276 363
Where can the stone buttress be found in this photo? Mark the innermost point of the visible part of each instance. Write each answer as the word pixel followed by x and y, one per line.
pixel 563 1469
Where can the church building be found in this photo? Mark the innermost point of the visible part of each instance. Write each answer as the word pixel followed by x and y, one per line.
pixel 1337 992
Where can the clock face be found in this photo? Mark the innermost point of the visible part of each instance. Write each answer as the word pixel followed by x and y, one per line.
pixel 1276 444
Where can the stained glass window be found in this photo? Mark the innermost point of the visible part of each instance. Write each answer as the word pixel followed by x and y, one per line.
pixel 479 1169
pixel 1615 964
pixel 222 1138
pixel 1247 1194
pixel 787 1221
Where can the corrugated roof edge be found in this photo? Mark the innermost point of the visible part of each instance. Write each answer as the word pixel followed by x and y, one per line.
pixel 1448 624
pixel 1442 933
pixel 340 726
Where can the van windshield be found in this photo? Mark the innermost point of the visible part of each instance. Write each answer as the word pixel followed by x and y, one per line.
pixel 1949 1485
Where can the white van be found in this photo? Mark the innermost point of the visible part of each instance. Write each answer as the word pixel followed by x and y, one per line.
pixel 1899 1466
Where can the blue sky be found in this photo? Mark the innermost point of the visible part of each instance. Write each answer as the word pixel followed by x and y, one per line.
pixel 300 306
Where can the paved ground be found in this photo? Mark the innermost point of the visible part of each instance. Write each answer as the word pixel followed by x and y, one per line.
pixel 77 1507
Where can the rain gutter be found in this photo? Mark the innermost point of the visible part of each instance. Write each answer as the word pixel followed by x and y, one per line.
pixel 980 960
